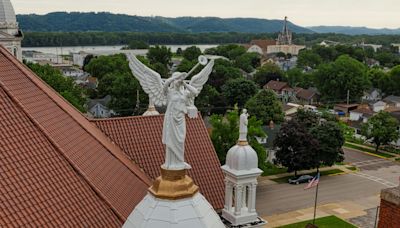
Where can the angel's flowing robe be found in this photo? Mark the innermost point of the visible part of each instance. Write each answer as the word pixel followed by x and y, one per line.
pixel 174 130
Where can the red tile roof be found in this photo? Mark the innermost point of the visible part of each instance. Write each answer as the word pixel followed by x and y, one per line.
pixel 276 85
pixel 56 168
pixel 263 44
pixel 305 94
pixel 140 138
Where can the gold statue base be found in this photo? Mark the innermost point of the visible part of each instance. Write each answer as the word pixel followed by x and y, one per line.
pixel 242 143
pixel 173 185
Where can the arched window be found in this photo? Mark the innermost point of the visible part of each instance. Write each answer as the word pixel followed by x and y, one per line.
pixel 15 51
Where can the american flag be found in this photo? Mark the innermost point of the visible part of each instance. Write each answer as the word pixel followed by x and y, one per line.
pixel 314 182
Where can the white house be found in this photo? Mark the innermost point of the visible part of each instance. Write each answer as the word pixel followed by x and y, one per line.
pixel 393 101
pixel 360 114
pixel 372 95
pixel 379 106
pixel 98 108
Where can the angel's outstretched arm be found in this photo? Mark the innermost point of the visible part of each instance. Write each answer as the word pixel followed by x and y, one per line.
pixel 193 92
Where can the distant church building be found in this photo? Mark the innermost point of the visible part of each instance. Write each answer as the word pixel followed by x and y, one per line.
pixel 285 37
pixel 284 42
pixel 10 35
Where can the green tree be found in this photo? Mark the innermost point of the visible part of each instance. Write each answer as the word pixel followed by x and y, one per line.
pixel 159 54
pixel 123 93
pixel 387 58
pixel 102 65
pixel 225 133
pixel 138 44
pixel 248 62
pixel 296 78
pixel 239 91
pixel 222 72
pixel 65 86
pixel 296 148
pixel 381 129
pixel 266 107
pixel 330 141
pixel 381 80
pixel 307 58
pixel 395 80
pixel 186 65
pixel 267 73
pixel 345 74
pixel 307 118
pixel 191 53
pixel 208 99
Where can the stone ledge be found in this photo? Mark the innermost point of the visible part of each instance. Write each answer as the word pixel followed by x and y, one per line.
pixel 391 195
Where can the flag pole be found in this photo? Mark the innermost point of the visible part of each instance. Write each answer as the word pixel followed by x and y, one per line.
pixel 315 203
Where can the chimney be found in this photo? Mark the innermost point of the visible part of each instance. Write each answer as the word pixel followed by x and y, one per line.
pixel 389 215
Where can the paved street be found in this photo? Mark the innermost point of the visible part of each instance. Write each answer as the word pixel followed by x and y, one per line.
pixel 362 188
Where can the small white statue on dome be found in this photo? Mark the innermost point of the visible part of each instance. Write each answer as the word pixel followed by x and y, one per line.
pixel 243 126
pixel 179 97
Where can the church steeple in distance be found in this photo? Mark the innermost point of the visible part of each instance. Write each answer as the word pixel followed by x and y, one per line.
pixel 285 37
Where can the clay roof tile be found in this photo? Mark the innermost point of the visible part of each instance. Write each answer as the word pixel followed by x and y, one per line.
pixel 56 168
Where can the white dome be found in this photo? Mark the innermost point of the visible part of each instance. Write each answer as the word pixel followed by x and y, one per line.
pixel 7 14
pixel 193 212
pixel 242 158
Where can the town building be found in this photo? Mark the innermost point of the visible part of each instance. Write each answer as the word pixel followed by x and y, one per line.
pixel 397 46
pixel 281 89
pixel 372 95
pixel 284 42
pixel 10 35
pixel 361 114
pixel 393 101
pixel 98 108
pixel 260 46
pixel 379 106
pixel 308 96
pixel 328 43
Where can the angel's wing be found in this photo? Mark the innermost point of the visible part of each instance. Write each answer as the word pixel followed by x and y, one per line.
pixel 150 80
pixel 201 78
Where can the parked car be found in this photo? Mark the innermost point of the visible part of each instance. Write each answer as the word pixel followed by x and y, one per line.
pixel 301 179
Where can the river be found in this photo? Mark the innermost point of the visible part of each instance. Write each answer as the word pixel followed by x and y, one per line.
pixel 68 50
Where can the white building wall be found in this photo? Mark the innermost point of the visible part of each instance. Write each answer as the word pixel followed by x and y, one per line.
pixel 355 116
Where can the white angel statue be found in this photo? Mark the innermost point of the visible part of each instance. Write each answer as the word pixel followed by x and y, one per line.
pixel 179 98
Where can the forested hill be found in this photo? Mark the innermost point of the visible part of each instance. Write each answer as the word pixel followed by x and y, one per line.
pixel 107 22
pixel 355 30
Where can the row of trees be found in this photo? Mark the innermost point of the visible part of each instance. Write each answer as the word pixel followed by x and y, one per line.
pixel 334 79
pixel 387 56
pixel 37 39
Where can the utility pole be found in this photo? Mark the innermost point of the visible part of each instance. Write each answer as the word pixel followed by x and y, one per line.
pixel 137 102
pixel 348 96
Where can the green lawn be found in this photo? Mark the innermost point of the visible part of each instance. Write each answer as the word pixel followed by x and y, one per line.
pixel 325 222
pixel 368 150
pixel 352 168
pixel 271 169
pixel 323 173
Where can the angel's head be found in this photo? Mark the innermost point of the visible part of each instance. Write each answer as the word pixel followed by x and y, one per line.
pixel 179 77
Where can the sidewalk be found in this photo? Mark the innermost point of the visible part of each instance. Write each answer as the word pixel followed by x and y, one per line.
pixel 302 172
pixel 345 210
pixel 371 148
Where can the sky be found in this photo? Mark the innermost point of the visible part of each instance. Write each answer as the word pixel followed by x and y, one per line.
pixel 369 13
